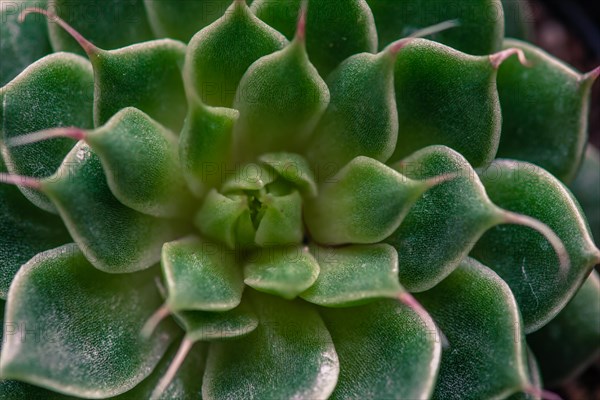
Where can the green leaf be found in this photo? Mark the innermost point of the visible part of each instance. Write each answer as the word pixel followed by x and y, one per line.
pixel 141 161
pixel 61 301
pixel 20 44
pixel 289 355
pixel 200 275
pixel 281 222
pixel 294 169
pixel 249 177
pixel 25 231
pixel 281 99
pixel 182 19
pixel 205 145
pixel 530 267
pixel 586 188
pixel 480 32
pixel 351 128
pixel 518 19
pixel 219 55
pixel 55 91
pixel 113 237
pixel 535 378
pixel 486 353
pixel 569 343
pixel 545 111
pixel 386 351
pixel 434 85
pixel 219 217
pixel 110 24
pixel 209 326
pixel 282 271
pixel 354 275
pixel 336 29
pixel 187 383
pixel 364 203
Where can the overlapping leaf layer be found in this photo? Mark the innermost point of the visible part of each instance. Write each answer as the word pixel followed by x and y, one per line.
pixel 220 200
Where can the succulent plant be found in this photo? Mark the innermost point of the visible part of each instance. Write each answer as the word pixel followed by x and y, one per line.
pixel 303 200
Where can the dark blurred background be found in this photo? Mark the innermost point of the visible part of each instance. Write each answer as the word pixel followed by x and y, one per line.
pixel 570 30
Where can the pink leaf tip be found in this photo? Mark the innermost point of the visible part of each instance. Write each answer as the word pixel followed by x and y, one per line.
pixel 497 59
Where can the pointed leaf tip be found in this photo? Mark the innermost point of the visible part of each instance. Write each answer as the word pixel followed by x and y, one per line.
pixel 398 45
pixel 85 44
pixel 498 58
pixel 67 132
pixel 19 180
pixel 301 27
pixel 592 75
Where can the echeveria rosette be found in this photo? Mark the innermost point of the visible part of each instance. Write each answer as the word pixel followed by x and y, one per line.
pixel 246 215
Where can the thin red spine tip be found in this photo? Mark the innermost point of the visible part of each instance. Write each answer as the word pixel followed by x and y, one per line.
pixel 593 74
pixel 301 27
pixel 19 180
pixel 498 58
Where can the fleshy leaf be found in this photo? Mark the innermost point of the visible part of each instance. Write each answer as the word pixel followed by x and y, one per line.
pixel 289 355
pixel 518 19
pixel 336 29
pixel 200 275
pixel 113 237
pixel 354 275
pixel 96 352
pixel 281 224
pixel 486 352
pixel 351 128
pixel 281 99
pixel 481 22
pixel 209 326
pixel 283 271
pixel 569 342
pixel 294 169
pixel 364 203
pixel 434 85
pixel 219 215
pixel 55 91
pixel 182 19
pixel 250 177
pixel 20 44
pixel 205 145
pixel 545 111
pixel 586 188
pixel 110 24
pixel 219 55
pixel 529 267
pixel 386 351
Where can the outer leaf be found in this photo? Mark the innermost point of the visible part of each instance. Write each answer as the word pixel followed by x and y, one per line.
pixel 219 55
pixel 110 24
pixel 586 188
pixel 481 22
pixel 209 326
pixel 113 237
pixel 486 355
pixel 442 226
pixel 518 19
pixel 530 267
pixel 337 29
pixel 290 355
pixel 349 128
pixel 354 275
pixel 201 276
pixel 281 99
pixel 434 87
pixel 364 203
pixel 25 231
pixel 284 271
pixel 20 44
pixel 182 19
pixel 569 343
pixel 386 351
pixel 545 112
pixel 70 304
pixel 55 91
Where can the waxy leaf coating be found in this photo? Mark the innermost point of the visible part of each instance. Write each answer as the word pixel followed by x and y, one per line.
pixel 70 306
pixel 289 355
pixel 55 91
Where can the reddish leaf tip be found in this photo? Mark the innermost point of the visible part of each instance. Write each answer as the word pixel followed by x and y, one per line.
pixel 592 75
pixel 85 44
pixel 18 180
pixel 301 26
pixel 398 45
pixel 498 58
pixel 541 393
pixel 68 132
pixel 154 320
pixel 165 381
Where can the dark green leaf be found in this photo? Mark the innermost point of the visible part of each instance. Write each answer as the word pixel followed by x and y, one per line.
pixel 55 91
pixel 486 353
pixel 386 351
pixel 290 355
pixel 60 302
pixel 336 29
pixel 523 258
pixel 480 32
pixel 518 19
pixel 586 188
